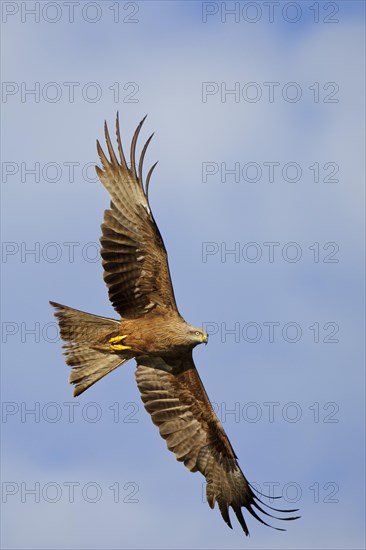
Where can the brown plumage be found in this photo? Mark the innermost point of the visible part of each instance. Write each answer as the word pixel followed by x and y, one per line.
pixel 152 331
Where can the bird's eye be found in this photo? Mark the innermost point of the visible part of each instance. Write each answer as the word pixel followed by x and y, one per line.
pixel 197 333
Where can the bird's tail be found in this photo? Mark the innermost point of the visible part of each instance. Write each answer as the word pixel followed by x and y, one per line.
pixel 87 350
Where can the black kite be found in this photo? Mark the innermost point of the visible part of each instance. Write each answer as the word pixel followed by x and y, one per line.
pixel 152 331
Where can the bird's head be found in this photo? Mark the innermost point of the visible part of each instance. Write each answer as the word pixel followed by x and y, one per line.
pixel 197 335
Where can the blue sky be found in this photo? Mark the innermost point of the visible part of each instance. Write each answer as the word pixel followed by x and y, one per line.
pixel 296 345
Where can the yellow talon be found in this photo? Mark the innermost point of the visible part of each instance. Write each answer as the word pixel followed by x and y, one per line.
pixel 114 343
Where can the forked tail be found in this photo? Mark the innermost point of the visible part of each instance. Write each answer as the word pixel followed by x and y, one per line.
pixel 87 349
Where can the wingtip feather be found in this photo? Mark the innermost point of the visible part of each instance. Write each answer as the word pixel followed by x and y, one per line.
pixel 133 147
pixel 148 179
pixel 119 144
pixel 239 515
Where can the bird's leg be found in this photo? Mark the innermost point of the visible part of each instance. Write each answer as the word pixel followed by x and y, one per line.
pixel 115 343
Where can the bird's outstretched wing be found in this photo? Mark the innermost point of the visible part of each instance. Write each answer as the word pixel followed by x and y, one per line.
pixel 173 394
pixel 134 256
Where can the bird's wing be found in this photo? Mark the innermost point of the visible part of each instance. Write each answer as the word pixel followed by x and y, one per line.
pixel 173 394
pixel 135 261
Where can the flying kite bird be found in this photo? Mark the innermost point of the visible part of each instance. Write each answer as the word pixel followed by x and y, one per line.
pixel 152 331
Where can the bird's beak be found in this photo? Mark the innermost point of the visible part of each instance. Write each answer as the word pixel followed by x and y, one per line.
pixel 205 339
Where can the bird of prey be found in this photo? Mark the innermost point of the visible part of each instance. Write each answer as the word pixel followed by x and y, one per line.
pixel 152 331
